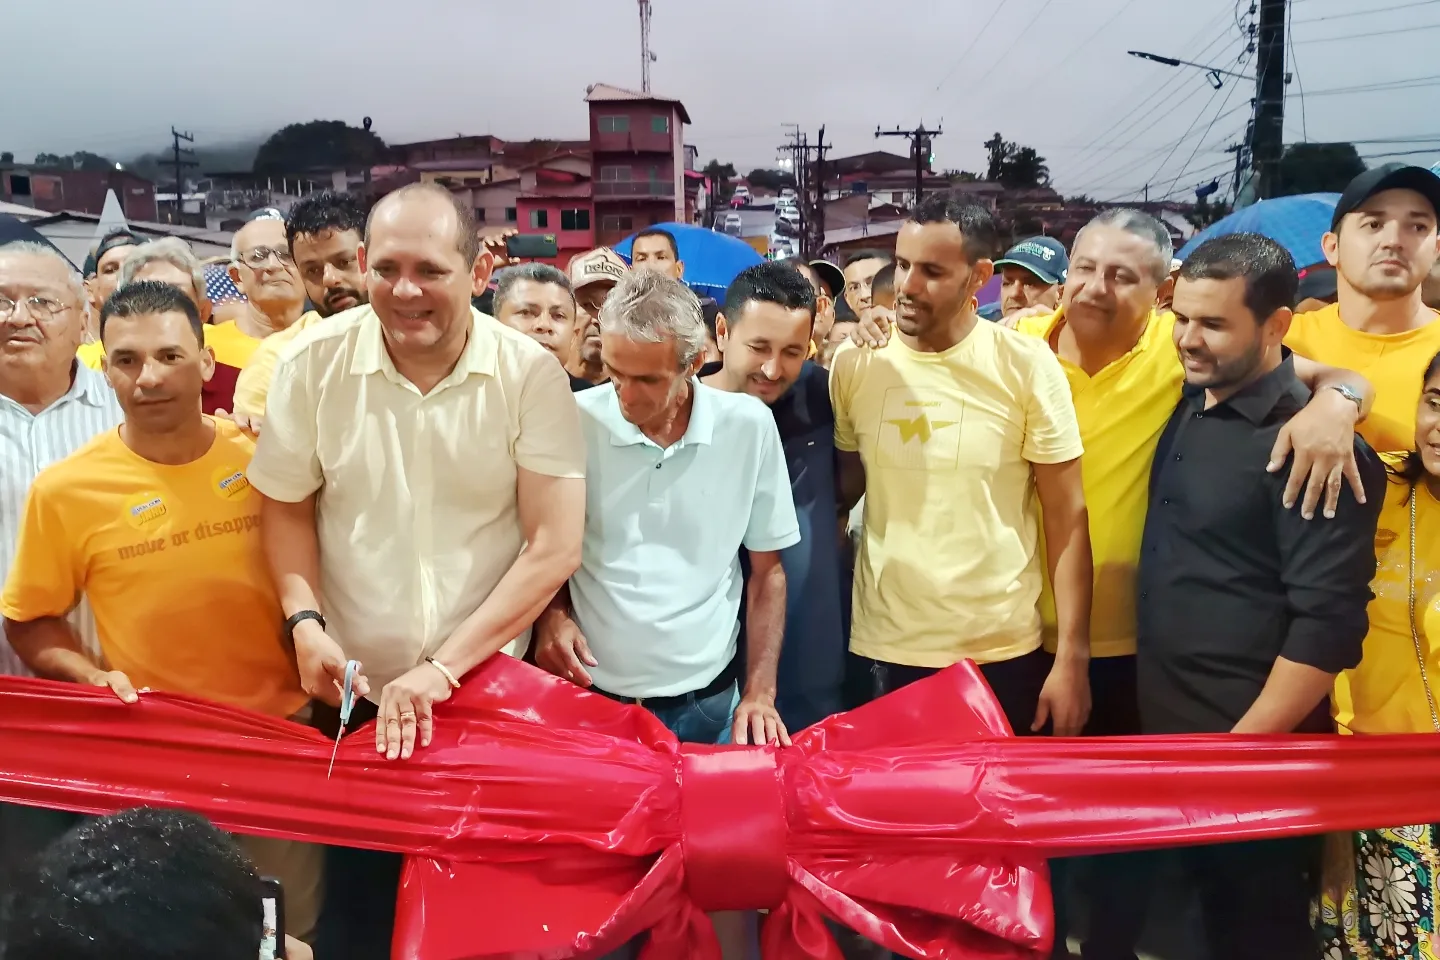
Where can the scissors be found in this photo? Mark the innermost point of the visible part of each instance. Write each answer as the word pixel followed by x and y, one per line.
pixel 347 704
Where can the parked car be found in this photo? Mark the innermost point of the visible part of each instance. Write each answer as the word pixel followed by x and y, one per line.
pixel 741 197
pixel 790 214
pixel 732 223
pixel 787 193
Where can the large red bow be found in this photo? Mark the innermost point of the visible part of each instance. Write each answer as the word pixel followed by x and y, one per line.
pixel 544 822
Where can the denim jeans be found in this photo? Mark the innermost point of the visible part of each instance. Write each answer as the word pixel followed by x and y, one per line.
pixel 702 720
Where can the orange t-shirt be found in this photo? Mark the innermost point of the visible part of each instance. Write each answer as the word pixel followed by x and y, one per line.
pixel 170 559
pixel 1394 363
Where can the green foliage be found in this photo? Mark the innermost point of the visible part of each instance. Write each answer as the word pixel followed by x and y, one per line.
pixel 317 145
pixel 1317 168
pixel 1014 165
pixel 770 179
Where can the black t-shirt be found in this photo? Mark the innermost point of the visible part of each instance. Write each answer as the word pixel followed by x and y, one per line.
pixel 577 384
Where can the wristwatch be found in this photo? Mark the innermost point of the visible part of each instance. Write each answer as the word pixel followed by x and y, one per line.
pixel 292 622
pixel 1355 398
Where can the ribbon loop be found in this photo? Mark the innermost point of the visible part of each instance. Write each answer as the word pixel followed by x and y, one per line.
pixel 732 815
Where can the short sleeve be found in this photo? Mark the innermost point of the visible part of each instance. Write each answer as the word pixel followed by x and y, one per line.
pixel 1052 433
pixel 45 578
pixel 842 379
pixel 549 440
pixel 773 524
pixel 286 466
pixel 253 384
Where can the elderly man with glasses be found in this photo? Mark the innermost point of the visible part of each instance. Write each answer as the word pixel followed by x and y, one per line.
pixel 50 405
pixel 262 267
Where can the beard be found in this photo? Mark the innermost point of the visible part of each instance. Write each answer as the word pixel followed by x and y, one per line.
pixel 1225 374
pixel 327 308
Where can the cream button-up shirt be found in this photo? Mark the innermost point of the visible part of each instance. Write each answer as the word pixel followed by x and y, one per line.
pixel 416 514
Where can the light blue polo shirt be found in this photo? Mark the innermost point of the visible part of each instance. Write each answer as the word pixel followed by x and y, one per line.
pixel 658 591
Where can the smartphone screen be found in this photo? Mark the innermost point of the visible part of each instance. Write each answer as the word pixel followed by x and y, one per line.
pixel 272 940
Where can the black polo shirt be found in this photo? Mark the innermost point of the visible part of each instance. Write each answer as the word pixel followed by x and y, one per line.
pixel 1229 579
pixel 812 660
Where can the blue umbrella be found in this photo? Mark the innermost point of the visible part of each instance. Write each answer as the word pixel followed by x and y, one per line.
pixel 1296 223
pixel 712 260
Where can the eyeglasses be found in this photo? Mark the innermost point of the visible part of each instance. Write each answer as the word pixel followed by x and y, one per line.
pixel 39 308
pixel 257 257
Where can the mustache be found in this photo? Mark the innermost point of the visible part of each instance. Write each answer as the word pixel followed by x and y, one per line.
pixel 341 293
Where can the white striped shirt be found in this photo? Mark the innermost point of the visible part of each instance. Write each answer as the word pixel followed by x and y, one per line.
pixel 29 443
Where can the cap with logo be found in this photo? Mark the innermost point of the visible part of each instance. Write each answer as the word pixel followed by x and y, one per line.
pixel 601 265
pixel 1387 176
pixel 111 240
pixel 1043 256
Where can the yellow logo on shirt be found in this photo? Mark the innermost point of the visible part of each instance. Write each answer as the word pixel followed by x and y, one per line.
pixel 230 483
pixel 146 510
pixel 921 428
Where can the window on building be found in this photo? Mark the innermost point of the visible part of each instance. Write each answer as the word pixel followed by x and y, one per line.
pixel 659 123
pixel 574 219
pixel 614 124
pixel 617 223
pixel 479 214
pixel 510 215
pixel 539 219
pixel 19 185
pixel 614 173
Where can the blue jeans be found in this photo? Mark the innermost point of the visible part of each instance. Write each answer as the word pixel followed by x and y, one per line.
pixel 702 720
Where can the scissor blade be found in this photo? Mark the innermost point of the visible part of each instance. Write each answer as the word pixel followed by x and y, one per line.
pixel 334 750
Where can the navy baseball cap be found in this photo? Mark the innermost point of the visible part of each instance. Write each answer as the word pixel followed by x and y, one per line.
pixel 1043 256
pixel 115 238
pixel 1387 176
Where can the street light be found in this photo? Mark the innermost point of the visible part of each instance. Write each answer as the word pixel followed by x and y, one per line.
pixel 1213 74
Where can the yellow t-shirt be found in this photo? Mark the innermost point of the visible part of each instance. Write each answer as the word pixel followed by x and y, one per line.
pixel 1122 411
pixel 253 384
pixel 170 559
pixel 1386 690
pixel 1394 363
pixel 949 565
pixel 91 354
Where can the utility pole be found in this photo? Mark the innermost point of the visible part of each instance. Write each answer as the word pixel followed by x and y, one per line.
pixel 1268 142
pixel 920 142
pixel 181 162
pixel 809 187
pixel 646 57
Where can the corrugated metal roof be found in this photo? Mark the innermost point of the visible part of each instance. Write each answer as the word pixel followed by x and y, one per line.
pixel 605 93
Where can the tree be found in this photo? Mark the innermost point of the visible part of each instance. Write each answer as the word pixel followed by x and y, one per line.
pixel 1317 168
pixel 770 179
pixel 317 145
pixel 720 175
pixel 80 160
pixel 960 176
pixel 1014 165
pixel 7 157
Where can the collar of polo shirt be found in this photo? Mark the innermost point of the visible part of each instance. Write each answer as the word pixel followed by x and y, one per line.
pixel 90 386
pixel 701 429
pixel 479 357
pixel 1255 400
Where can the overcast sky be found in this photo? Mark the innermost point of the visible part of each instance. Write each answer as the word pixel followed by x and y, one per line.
pixel 1052 74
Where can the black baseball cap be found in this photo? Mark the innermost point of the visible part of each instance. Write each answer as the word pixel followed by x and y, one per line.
pixel 111 240
pixel 830 275
pixel 1043 256
pixel 1387 176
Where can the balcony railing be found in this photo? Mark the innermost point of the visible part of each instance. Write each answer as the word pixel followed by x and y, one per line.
pixel 635 188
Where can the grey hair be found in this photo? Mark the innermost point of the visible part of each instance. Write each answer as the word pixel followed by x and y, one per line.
pixel 651 307
pixel 171 250
pixel 538 272
pixel 1140 224
pixel 31 248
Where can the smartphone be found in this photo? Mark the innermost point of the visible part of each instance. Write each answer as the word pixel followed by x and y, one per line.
pixel 272 942
pixel 531 246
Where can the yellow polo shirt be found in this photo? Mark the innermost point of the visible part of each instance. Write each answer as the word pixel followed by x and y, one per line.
pixel 254 381
pixel 169 557
pixel 1122 411
pixel 949 565
pixel 416 510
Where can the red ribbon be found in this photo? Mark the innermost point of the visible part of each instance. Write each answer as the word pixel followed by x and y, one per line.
pixel 545 822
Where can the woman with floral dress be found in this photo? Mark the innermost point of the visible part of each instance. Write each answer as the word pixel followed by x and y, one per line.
pixel 1386 907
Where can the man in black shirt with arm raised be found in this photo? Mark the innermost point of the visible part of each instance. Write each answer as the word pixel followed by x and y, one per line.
pixel 1247 610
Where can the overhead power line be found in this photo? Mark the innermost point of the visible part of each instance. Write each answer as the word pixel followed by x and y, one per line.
pixel 1364 13
pixel 999 5
pixel 1042 76
pixel 1377 33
